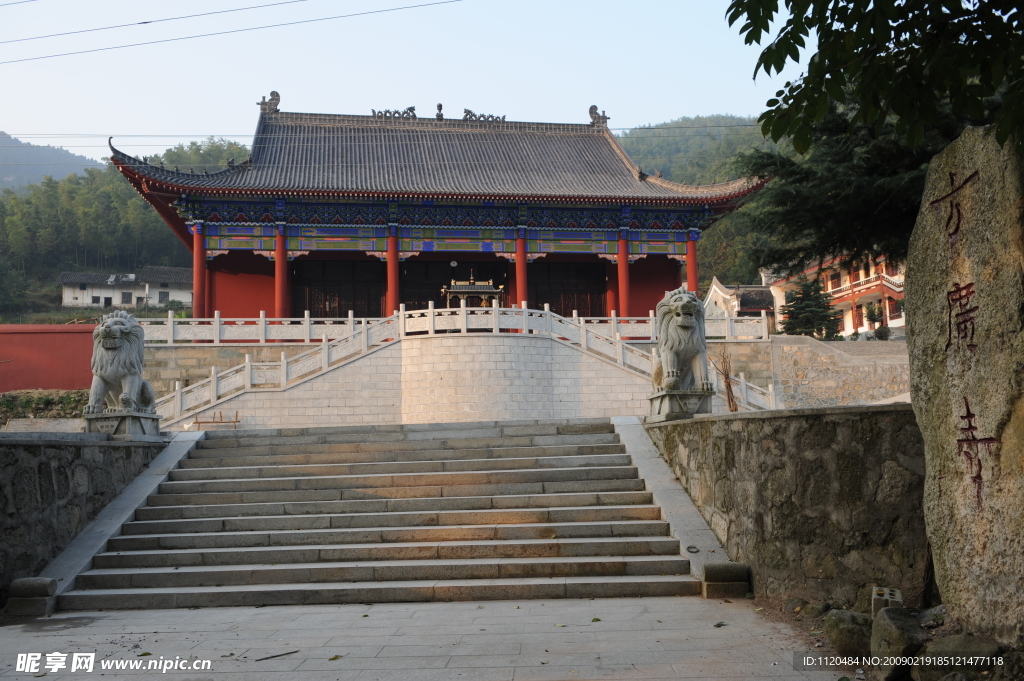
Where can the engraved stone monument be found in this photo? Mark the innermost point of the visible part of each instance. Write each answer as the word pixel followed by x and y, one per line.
pixel 680 378
pixel 121 402
pixel 965 334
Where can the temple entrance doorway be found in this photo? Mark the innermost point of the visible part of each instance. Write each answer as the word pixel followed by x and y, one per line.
pixel 423 281
pixel 330 288
pixel 568 286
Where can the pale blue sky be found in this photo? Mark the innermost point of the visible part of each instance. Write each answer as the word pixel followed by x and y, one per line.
pixel 645 61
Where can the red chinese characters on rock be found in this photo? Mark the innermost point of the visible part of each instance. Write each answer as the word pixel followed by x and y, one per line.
pixel 960 322
pixel 955 216
pixel 970 446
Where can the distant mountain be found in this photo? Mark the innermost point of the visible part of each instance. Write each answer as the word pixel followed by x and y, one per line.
pixel 22 164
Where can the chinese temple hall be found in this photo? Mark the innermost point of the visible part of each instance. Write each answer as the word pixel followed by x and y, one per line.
pixel 332 213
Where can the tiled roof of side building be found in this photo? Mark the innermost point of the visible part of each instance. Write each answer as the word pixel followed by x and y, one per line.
pixel 96 279
pixel 756 298
pixel 170 275
pixel 363 155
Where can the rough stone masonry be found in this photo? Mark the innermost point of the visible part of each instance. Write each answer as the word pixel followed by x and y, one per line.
pixel 965 316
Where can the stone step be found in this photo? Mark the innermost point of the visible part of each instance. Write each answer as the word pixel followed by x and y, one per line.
pixel 321 454
pixel 504 516
pixel 442 479
pixel 401 467
pixel 381 571
pixel 376 493
pixel 450 432
pixel 382 592
pixel 518 548
pixel 381 443
pixel 371 535
pixel 402 428
pixel 429 504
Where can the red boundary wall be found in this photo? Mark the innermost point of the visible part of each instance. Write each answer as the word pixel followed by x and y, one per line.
pixel 45 356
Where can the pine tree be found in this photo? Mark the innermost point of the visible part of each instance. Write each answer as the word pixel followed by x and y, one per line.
pixel 808 312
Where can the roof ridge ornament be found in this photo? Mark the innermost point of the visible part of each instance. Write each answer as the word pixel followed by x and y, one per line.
pixel 270 105
pixel 468 115
pixel 408 112
pixel 598 118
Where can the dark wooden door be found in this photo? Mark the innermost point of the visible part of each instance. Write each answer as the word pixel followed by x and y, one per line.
pixel 568 286
pixel 330 288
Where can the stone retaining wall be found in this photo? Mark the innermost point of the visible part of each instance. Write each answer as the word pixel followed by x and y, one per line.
pixel 52 488
pixel 434 379
pixel 809 373
pixel 822 503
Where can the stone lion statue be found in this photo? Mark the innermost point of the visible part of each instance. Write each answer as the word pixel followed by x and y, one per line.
pixel 117 353
pixel 681 360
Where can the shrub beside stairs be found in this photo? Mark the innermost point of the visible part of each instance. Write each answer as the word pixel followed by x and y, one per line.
pixel 445 512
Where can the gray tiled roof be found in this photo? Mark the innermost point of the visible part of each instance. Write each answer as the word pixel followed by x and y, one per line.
pixel 170 275
pixel 369 155
pixel 96 279
pixel 756 298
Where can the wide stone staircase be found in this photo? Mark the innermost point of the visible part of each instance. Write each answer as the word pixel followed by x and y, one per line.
pixel 508 510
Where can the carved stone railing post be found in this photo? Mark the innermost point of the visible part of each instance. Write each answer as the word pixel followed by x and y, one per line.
pixel 495 316
pixel 307 326
pixel 430 318
pixel 463 316
pixel 248 372
pixel 263 327
pixel 177 402
pixel 216 326
pixel 743 389
pixel 214 385
pixel 170 327
pixel 325 354
pixel 402 331
pixel 284 370
pixel 654 326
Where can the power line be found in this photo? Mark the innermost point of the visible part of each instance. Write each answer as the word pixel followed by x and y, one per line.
pixel 19 2
pixel 237 30
pixel 140 23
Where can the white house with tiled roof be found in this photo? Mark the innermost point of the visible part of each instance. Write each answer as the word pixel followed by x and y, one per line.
pixel 154 286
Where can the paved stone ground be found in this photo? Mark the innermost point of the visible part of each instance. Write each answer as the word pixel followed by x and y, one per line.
pixel 635 638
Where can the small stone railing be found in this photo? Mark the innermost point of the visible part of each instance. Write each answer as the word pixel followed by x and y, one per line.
pixel 263 329
pixel 748 396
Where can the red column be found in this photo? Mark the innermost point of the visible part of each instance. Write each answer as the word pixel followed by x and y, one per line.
pixel 391 298
pixel 522 291
pixel 210 307
pixel 611 290
pixel 691 263
pixel 282 307
pixel 198 272
pixel 622 260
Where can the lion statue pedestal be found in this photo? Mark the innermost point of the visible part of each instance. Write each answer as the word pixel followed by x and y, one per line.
pixel 121 402
pixel 680 378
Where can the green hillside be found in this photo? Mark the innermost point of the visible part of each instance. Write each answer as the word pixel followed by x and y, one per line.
pixel 91 221
pixel 702 150
pixel 22 163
